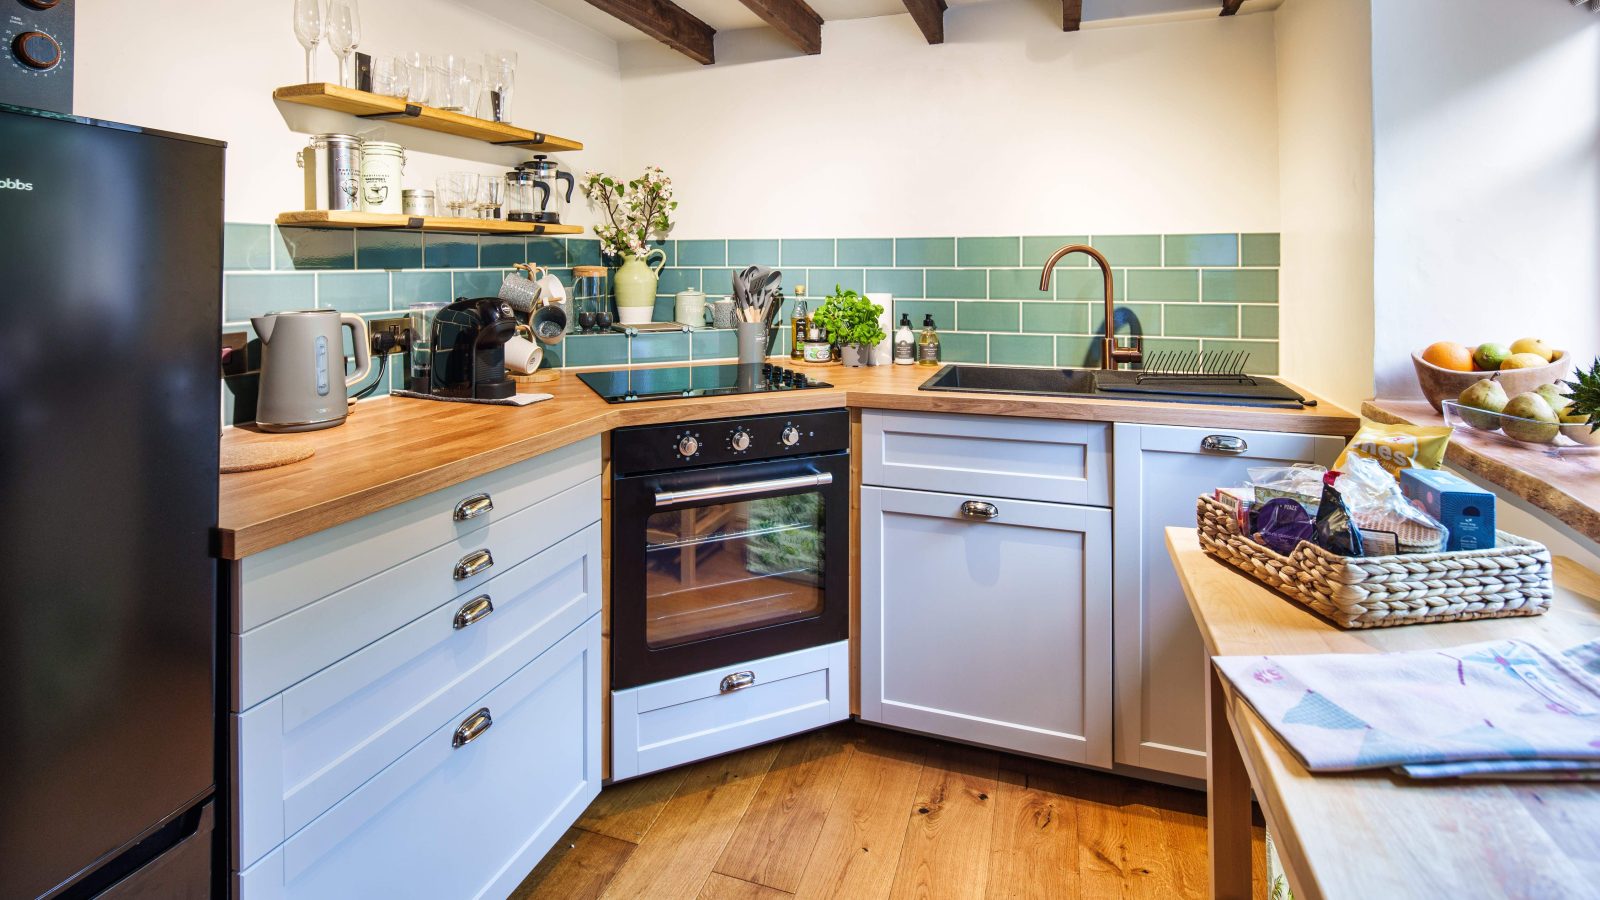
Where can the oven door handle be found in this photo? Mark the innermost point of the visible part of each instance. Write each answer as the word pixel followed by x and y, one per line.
pixel 742 489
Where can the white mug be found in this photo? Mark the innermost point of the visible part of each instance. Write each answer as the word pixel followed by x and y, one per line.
pixel 523 356
pixel 551 290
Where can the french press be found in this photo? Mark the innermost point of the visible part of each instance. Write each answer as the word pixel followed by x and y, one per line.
pixel 542 181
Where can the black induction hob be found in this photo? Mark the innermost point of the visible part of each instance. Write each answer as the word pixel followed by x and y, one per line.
pixel 633 385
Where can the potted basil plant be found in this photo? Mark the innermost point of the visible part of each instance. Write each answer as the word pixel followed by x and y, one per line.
pixel 851 321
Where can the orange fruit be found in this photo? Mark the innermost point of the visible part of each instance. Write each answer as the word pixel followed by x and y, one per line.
pixel 1449 355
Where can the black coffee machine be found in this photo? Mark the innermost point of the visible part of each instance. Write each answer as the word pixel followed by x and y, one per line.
pixel 468 351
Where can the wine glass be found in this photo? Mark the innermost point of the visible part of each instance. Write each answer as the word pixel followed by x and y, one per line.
pixel 500 72
pixel 344 32
pixel 308 30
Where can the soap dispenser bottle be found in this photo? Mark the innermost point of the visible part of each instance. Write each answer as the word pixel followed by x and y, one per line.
pixel 905 342
pixel 928 343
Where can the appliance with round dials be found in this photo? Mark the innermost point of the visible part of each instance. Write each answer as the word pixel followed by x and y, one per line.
pixel 37 67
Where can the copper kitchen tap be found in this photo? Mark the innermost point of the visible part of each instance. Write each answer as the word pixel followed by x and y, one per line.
pixel 1111 353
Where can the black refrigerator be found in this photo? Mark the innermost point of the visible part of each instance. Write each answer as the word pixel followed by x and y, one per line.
pixel 110 312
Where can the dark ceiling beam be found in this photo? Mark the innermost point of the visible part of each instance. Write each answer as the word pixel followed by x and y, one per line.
pixel 1229 7
pixel 1071 14
pixel 929 16
pixel 793 19
pixel 668 23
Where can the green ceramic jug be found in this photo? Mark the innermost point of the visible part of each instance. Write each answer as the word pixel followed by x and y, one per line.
pixel 635 285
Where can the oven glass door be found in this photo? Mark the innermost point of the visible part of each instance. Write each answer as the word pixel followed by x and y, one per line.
pixel 725 565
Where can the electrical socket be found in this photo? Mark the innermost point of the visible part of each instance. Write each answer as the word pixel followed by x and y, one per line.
pixel 399 327
pixel 235 345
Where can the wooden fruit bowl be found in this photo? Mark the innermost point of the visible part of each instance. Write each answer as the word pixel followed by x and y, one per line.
pixel 1447 384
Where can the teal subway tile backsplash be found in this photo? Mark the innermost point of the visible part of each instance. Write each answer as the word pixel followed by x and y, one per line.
pixel 988 251
pixel 807 252
pixel 246 246
pixel 388 249
pixel 925 251
pixel 244 296
pixel 866 252
pixel 353 291
pixel 314 248
pixel 1258 249
pixel 899 282
pixel 1215 292
pixel 1016 284
pixel 957 284
pixel 702 253
pixel 1202 250
pixel 1240 285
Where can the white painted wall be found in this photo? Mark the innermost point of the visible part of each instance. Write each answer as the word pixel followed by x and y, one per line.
pixel 222 58
pixel 1325 186
pixel 1009 127
pixel 1487 177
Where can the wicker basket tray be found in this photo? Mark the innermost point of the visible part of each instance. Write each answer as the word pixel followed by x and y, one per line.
pixel 1512 579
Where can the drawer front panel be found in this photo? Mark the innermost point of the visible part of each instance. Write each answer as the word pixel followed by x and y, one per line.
pixel 283 579
pixel 1032 459
pixel 282 652
pixel 658 726
pixel 460 821
pixel 312 745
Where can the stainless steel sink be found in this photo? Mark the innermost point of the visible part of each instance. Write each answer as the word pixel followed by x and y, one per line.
pixel 1120 384
pixel 1004 380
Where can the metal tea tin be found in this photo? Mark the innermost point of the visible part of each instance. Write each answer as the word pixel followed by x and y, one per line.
pixel 332 164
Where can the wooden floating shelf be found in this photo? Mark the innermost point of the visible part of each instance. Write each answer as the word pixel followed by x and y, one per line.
pixel 322 218
pixel 393 109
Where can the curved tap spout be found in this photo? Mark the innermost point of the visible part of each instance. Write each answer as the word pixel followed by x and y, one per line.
pixel 1111 353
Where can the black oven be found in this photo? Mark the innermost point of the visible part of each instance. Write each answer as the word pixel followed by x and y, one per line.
pixel 730 542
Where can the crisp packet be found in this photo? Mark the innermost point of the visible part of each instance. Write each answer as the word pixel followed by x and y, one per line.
pixel 1397 447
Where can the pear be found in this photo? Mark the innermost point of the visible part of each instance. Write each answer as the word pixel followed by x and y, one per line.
pixel 1528 417
pixel 1481 404
pixel 1553 396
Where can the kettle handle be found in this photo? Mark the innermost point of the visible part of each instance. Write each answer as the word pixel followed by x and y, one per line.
pixel 571 183
pixel 362 341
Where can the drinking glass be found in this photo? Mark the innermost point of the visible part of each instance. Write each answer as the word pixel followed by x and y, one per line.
pixel 418 77
pixel 451 70
pixel 490 189
pixel 447 201
pixel 390 77
pixel 500 73
pixel 308 31
pixel 344 33
pixel 458 191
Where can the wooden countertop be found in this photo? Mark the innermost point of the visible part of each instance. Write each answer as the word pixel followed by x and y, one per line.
pixel 395 449
pixel 1567 487
pixel 1376 834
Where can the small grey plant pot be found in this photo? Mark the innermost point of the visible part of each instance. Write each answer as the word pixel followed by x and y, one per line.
pixel 856 355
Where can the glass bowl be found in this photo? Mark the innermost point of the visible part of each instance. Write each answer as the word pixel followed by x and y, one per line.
pixel 1555 440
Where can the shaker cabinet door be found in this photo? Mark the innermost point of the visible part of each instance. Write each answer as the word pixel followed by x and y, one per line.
pixel 1160 470
pixel 988 620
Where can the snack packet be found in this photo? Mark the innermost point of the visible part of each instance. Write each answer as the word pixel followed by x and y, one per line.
pixel 1397 447
pixel 1335 529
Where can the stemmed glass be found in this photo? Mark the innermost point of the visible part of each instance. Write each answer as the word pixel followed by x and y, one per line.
pixel 344 32
pixel 489 192
pixel 308 30
pixel 500 72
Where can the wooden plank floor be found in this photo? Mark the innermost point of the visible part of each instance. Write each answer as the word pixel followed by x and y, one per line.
pixel 858 812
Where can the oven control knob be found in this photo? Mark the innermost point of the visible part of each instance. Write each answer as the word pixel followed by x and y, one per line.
pixel 740 440
pixel 791 435
pixel 688 445
pixel 36 50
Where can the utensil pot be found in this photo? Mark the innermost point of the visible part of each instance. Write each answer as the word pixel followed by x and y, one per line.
pixel 752 342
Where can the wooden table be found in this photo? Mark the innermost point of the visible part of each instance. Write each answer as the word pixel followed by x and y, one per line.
pixel 1377 834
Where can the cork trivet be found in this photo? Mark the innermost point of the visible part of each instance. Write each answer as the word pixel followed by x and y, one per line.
pixel 542 376
pixel 250 457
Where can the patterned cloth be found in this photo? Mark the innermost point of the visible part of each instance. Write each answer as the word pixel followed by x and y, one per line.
pixel 1504 708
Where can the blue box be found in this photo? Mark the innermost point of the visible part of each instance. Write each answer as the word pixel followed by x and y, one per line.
pixel 1458 504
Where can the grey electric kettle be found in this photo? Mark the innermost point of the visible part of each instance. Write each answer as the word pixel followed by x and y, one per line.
pixel 303 385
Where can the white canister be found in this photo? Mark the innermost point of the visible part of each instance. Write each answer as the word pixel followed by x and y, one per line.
pixel 691 308
pixel 382 164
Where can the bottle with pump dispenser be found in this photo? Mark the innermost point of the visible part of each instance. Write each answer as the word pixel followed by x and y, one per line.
pixel 928 343
pixel 905 342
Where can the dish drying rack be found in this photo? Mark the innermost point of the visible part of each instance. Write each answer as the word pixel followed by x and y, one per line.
pixel 1196 367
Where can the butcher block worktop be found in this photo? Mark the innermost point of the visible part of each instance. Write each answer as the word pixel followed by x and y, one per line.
pixel 395 449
